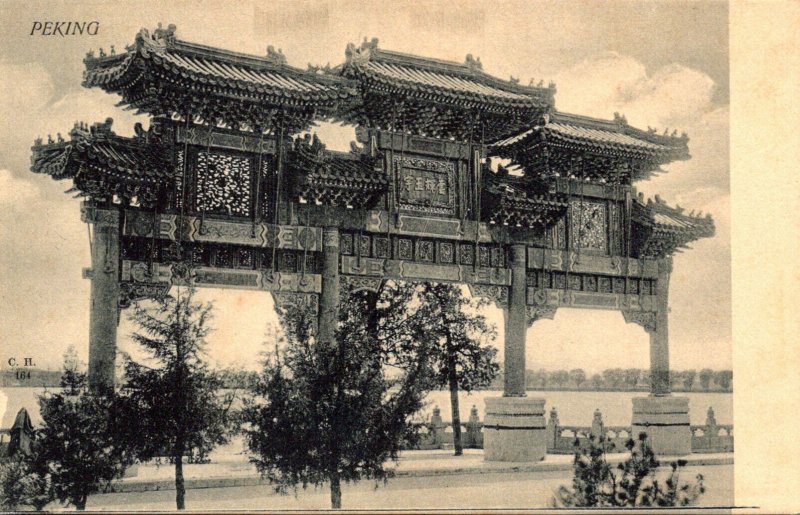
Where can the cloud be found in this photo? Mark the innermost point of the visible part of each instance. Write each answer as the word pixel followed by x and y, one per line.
pixel 29 105
pixel 673 95
pixel 15 192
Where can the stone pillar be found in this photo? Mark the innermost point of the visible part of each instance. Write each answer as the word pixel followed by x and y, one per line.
pixel 329 298
pixel 663 417
pixel 516 326
pixel 104 307
pixel 659 339
pixel 514 428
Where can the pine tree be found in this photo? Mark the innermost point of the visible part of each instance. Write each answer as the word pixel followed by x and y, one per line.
pixel 630 484
pixel 77 448
pixel 335 411
pixel 173 404
pixel 461 360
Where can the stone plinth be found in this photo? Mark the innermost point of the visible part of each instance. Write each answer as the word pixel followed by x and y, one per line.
pixel 514 429
pixel 666 421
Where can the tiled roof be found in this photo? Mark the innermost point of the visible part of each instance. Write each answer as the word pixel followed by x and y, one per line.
pixel 160 58
pixel 95 155
pixel 444 79
pixel 508 202
pixel 614 135
pixel 576 133
pixel 671 228
pixel 415 76
pixel 326 176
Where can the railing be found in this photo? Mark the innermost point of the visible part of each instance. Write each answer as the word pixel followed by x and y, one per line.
pixel 438 434
pixel 712 437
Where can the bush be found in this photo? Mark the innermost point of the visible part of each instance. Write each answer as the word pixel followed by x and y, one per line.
pixel 631 483
pixel 21 485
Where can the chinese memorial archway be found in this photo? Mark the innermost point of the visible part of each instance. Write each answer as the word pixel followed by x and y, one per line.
pixel 221 191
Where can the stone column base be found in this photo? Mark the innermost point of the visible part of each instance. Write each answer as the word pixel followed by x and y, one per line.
pixel 514 429
pixel 665 420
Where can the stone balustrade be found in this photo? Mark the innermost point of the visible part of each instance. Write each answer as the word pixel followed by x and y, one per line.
pixel 438 434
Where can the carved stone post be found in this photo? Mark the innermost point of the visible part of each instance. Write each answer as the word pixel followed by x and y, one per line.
pixel 516 327
pixel 662 416
pixel 659 339
pixel 329 298
pixel 104 307
pixel 514 428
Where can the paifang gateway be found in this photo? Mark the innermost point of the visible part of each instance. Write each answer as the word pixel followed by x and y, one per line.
pixel 221 191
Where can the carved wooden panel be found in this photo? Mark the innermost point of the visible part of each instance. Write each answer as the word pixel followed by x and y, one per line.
pixel 223 184
pixel 588 225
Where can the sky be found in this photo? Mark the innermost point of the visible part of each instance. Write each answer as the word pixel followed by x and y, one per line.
pixel 661 64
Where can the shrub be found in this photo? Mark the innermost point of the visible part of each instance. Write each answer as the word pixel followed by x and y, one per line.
pixel 632 483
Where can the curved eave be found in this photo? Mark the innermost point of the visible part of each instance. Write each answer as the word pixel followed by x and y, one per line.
pixel 56 160
pixel 356 177
pixel 658 154
pixel 669 228
pixel 504 208
pixel 373 81
pixel 189 71
pixel 108 159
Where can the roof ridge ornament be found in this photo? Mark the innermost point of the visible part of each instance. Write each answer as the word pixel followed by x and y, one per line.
pixel 275 56
pixel 167 35
pixel 317 68
pixel 158 41
pixel 474 63
pixel 361 54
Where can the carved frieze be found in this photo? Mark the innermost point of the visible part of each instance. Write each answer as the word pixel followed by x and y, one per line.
pixel 361 283
pixel 646 319
pixel 140 271
pixel 429 226
pixel 496 294
pixel 446 251
pixel 222 231
pixel 130 292
pixel 402 269
pixel 243 142
pixel 284 300
pixel 535 313
pixel 577 262
pixel 593 300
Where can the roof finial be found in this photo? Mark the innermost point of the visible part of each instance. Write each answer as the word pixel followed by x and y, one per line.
pixel 167 35
pixel 360 55
pixel 275 56
pixel 473 63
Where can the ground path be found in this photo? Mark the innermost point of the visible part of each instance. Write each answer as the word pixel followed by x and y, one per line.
pixel 478 491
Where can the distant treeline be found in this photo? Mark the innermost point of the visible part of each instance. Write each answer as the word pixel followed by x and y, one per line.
pixel 612 379
pixel 622 379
